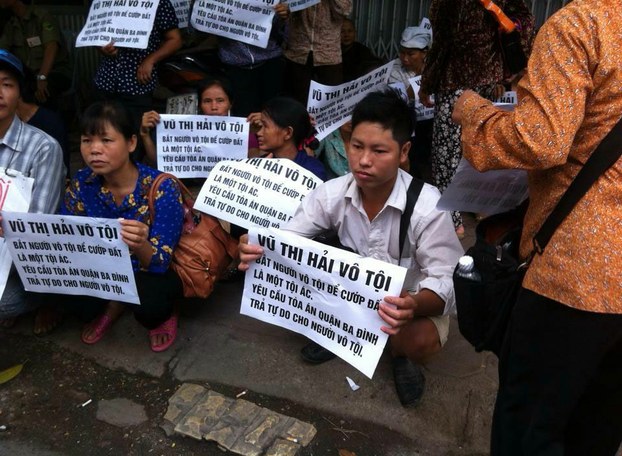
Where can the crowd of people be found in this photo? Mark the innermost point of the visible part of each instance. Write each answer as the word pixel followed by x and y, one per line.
pixel 568 101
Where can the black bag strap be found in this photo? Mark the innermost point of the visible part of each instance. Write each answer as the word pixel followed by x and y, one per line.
pixel 606 154
pixel 412 195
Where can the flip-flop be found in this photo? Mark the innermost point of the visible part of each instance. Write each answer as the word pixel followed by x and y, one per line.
pixel 169 327
pixel 47 319
pixel 100 325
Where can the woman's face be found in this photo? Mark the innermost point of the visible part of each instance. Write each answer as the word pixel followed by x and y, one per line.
pixel 348 34
pixel 272 137
pixel 215 102
pixel 108 152
pixel 412 59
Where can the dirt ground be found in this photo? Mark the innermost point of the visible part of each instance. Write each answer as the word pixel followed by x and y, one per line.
pixel 41 408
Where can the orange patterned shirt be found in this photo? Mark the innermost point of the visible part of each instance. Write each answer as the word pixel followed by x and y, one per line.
pixel 569 100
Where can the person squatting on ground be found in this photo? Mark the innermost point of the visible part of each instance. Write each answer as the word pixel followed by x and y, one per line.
pixel 560 380
pixel 113 186
pixel 35 155
pixel 364 208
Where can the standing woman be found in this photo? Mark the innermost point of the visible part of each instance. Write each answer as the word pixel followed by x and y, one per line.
pixel 114 186
pixel 465 54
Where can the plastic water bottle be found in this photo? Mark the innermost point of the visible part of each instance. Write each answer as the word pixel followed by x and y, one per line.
pixel 466 269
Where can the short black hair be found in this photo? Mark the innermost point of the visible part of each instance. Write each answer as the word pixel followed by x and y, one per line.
pixel 96 116
pixel 388 109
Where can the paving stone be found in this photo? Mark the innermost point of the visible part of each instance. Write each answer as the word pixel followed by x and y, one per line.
pixel 184 399
pixel 233 424
pixel 283 448
pixel 205 414
pixel 121 412
pixel 302 432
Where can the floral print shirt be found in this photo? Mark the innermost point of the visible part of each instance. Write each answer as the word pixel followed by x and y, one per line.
pixel 569 100
pixel 88 196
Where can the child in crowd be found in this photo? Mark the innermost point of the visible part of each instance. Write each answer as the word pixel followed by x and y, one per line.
pixel 113 186
pixel 365 208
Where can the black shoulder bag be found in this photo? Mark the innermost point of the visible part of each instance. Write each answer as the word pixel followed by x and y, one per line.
pixel 484 307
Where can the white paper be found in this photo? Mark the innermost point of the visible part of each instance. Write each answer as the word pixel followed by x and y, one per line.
pixel 297 5
pixel 127 23
pixel 327 294
pixel 15 195
pixel 70 255
pixel 352 384
pixel 249 21
pixel 422 112
pixel 182 104
pixel 332 106
pixel 190 146
pixel 488 193
pixel 507 101
pixel 182 11
pixel 258 191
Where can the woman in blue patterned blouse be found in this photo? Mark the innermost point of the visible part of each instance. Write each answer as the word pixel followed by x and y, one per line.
pixel 114 186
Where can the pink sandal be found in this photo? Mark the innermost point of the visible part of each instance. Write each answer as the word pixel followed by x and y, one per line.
pixel 100 325
pixel 169 327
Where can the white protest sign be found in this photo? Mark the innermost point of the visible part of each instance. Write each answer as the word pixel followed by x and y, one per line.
pixel 297 5
pixel 15 195
pixel 249 21
pixel 327 294
pixel 507 101
pixel 422 112
pixel 127 23
pixel 70 255
pixel 190 146
pixel 182 104
pixel 488 193
pixel 182 11
pixel 332 106
pixel 259 191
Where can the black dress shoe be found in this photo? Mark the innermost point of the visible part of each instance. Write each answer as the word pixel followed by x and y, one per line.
pixel 316 354
pixel 409 381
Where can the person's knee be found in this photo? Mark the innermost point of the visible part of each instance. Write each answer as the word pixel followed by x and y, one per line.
pixel 417 341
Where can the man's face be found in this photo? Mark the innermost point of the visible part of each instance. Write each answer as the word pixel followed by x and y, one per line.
pixel 9 95
pixel 374 156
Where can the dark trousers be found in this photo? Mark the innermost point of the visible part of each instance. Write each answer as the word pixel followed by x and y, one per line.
pixel 157 293
pixel 254 86
pixel 560 382
pixel 298 77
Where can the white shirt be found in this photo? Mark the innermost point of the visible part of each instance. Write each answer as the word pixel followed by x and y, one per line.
pixel 431 247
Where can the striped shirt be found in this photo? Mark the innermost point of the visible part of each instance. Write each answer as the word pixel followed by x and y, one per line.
pixel 35 154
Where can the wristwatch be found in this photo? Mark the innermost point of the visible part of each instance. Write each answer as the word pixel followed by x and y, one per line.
pixel 42 77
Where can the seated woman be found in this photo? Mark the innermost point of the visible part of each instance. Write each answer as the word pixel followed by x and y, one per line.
pixel 333 149
pixel 113 186
pixel 285 131
pixel 357 59
pixel 215 99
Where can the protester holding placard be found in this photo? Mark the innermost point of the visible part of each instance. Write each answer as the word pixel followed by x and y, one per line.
pixel 365 209
pixel 130 75
pixel 313 48
pixel 26 154
pixel 113 186
pixel 285 131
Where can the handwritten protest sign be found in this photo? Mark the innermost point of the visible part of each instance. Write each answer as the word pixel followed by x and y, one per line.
pixel 182 104
pixel 297 5
pixel 329 295
pixel 70 255
pixel 507 101
pixel 258 191
pixel 422 112
pixel 190 146
pixel 488 193
pixel 127 23
pixel 182 11
pixel 332 106
pixel 15 195
pixel 249 21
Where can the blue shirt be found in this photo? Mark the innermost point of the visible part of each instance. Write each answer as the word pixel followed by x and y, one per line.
pixel 311 164
pixel 118 74
pixel 88 196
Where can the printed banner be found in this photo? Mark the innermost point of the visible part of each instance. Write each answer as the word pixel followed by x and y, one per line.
pixel 190 146
pixel 327 294
pixel 70 255
pixel 422 112
pixel 258 191
pixel 182 11
pixel 297 5
pixel 487 193
pixel 507 102
pixel 249 21
pixel 182 104
pixel 127 23
pixel 331 106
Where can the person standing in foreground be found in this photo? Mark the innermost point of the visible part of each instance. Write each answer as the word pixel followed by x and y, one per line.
pixel 365 208
pixel 560 376
pixel 32 153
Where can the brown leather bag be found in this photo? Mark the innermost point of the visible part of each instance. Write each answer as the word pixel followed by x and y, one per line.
pixel 204 250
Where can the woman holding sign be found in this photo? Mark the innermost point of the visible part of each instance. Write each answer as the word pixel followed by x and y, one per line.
pixel 113 186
